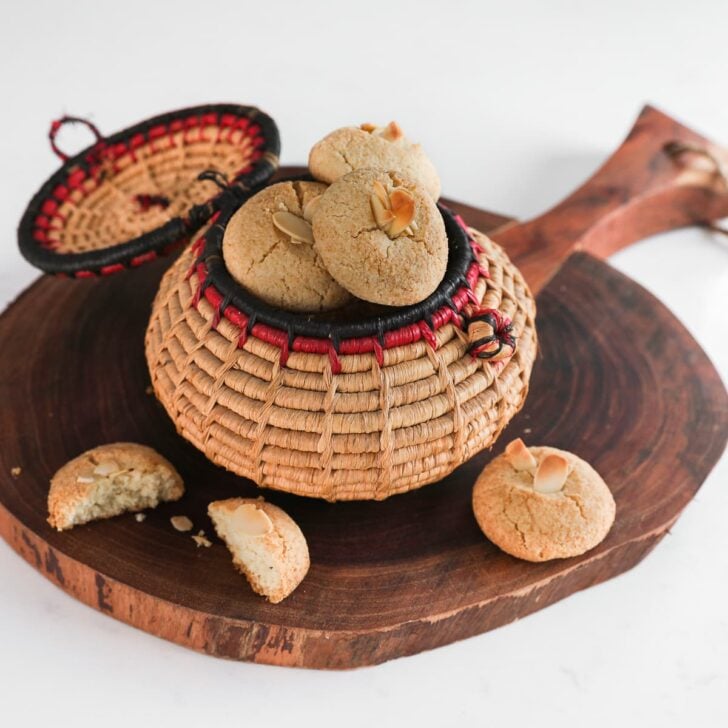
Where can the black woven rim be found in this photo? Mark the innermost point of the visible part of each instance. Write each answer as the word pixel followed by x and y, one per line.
pixel 460 258
pixel 173 231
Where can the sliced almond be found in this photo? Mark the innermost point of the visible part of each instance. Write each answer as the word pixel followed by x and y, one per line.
pixel 382 214
pixel 551 474
pixel 403 207
pixel 368 127
pixel 84 479
pixel 381 192
pixel 519 456
pixel 392 132
pixel 298 229
pixel 310 208
pixel 108 467
pixel 252 521
pixel 201 540
pixel 181 523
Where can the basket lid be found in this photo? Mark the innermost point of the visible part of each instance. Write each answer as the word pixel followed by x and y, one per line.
pixel 139 193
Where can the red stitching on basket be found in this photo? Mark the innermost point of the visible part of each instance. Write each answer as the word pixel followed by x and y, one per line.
pixel 364 345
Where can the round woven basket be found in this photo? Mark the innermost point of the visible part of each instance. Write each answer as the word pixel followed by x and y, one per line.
pixel 338 409
pixel 145 190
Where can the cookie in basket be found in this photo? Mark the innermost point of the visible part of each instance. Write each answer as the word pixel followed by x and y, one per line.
pixel 351 148
pixel 381 237
pixel 540 503
pixel 268 249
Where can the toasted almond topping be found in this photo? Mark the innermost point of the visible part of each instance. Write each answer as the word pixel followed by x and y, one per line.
pixel 310 208
pixel 403 207
pixel 382 214
pixel 181 523
pixel 519 456
pixel 296 227
pixel 368 127
pixel 392 132
pixel 394 212
pixel 551 474
pixel 381 192
pixel 84 479
pixel 108 467
pixel 251 520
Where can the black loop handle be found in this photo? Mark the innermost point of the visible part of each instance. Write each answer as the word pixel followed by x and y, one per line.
pixel 59 123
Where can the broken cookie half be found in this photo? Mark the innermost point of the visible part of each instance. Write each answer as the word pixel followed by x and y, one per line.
pixel 267 545
pixel 109 480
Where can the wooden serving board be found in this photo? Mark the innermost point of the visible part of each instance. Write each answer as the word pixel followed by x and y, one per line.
pixel 618 380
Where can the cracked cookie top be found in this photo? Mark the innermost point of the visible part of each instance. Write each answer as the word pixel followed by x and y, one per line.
pixel 540 503
pixel 268 249
pixel 351 148
pixel 381 237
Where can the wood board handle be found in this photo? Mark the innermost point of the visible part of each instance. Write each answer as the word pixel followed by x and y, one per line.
pixel 662 177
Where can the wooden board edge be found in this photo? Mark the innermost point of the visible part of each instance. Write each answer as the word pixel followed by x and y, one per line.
pixel 281 645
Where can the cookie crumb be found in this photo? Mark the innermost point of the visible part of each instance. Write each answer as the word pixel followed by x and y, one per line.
pixel 139 517
pixel 181 523
pixel 201 540
pixel 149 389
pixel 16 471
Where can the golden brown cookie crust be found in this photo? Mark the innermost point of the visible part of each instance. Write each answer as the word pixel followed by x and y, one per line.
pixel 269 263
pixel 351 148
pixel 541 526
pixel 285 546
pixel 75 482
pixel 363 258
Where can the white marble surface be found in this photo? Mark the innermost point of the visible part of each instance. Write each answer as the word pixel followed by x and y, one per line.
pixel 517 103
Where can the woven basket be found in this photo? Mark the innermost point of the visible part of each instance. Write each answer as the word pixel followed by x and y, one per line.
pixel 337 410
pixel 143 191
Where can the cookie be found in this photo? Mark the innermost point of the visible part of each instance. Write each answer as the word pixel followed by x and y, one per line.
pixel 381 237
pixel 268 249
pixel 351 148
pixel 109 480
pixel 267 545
pixel 540 503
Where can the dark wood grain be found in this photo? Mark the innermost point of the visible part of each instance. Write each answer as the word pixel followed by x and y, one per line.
pixel 639 191
pixel 388 578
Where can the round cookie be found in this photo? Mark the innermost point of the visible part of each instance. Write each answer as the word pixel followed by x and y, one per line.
pixel 381 237
pixel 540 503
pixel 350 148
pixel 268 248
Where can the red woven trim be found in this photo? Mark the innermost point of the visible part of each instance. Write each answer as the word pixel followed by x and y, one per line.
pixel 363 345
pixel 159 137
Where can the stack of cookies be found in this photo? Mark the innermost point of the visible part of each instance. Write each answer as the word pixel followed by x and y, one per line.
pixel 368 228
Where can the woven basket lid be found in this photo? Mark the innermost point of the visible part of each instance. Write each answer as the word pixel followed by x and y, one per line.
pixel 360 407
pixel 139 193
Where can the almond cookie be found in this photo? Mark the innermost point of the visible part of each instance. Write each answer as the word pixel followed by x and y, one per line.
pixel 540 503
pixel 109 480
pixel 381 237
pixel 268 249
pixel 352 148
pixel 267 545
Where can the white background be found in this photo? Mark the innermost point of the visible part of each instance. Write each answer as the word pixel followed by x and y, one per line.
pixel 517 103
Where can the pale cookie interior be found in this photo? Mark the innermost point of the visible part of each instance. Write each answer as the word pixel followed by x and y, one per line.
pixel 105 483
pixel 266 544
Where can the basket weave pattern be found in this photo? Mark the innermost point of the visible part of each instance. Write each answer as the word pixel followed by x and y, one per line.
pixel 137 187
pixel 368 432
pixel 137 194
